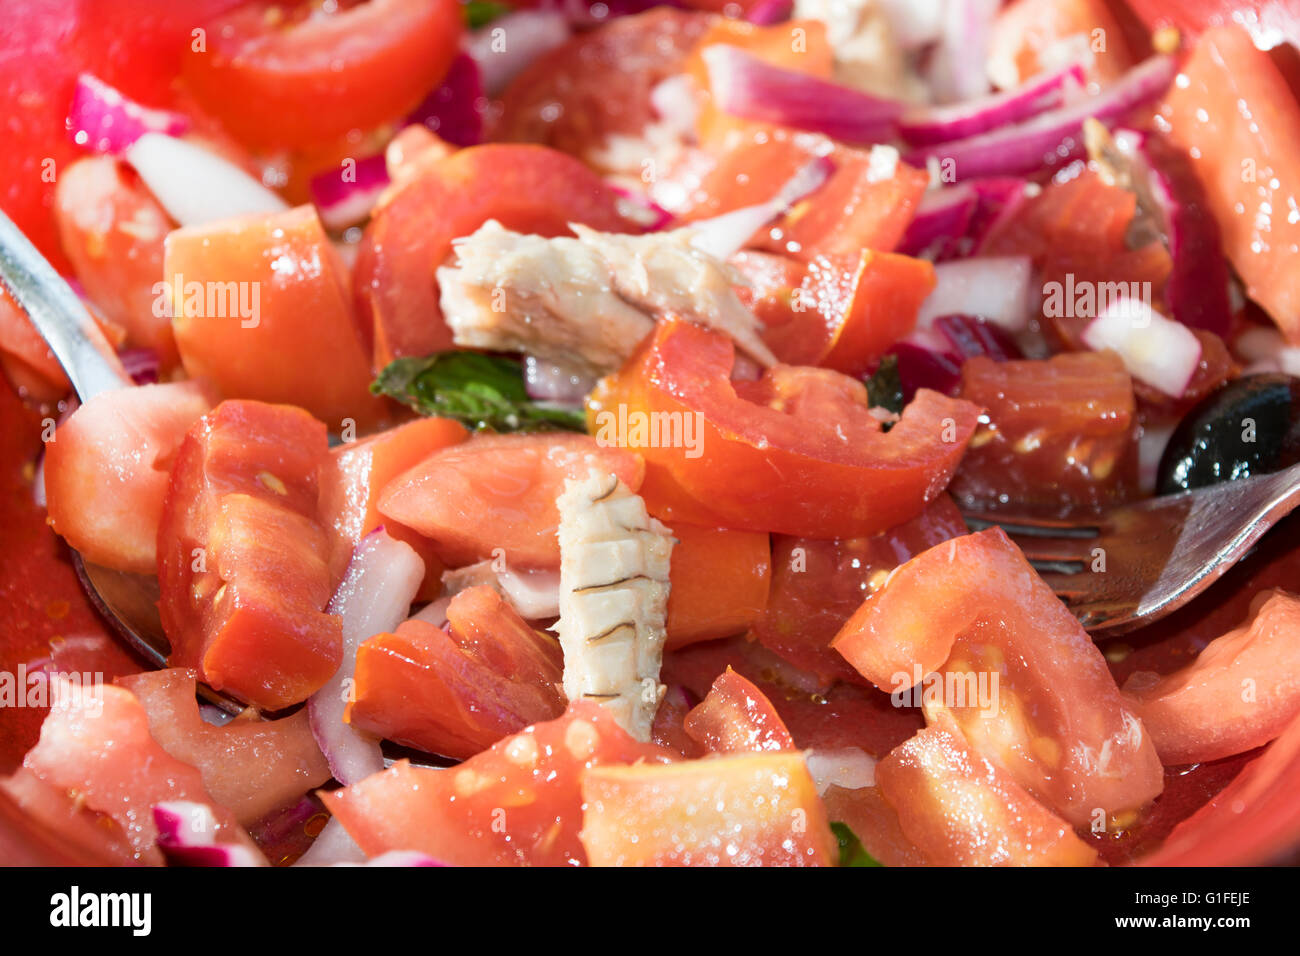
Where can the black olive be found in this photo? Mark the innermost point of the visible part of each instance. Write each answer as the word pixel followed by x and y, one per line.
pixel 1250 426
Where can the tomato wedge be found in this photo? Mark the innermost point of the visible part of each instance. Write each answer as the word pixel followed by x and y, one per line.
pixel 494 495
pixel 518 803
pixel 1016 672
pixel 1242 690
pixel 300 77
pixel 528 189
pixel 457 691
pixel 242 557
pixel 249 766
pixel 960 809
pixel 107 468
pixel 1240 124
pixel 737 810
pixel 260 308
pixel 736 717
pixel 719 583
pixel 791 452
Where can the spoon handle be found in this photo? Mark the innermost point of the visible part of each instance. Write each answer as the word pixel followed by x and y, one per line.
pixel 58 314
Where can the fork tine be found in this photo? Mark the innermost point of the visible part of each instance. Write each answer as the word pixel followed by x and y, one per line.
pixel 1051 546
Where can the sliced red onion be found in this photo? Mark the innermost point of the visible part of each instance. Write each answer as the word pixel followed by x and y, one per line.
pixel 1259 343
pixel 1053 138
pixel 746 86
pixel 332 846
pixel 455 109
pixel 195 185
pixel 723 236
pixel 346 196
pixel 939 228
pixel 851 768
pixel 956 69
pixel 999 199
pixel 767 12
pixel 639 208
pixel 1158 351
pixel 998 289
pixel 552 382
pixel 375 596
pixel 504 47
pixel 923 126
pixel 104 120
pixel 143 365
pixel 920 366
pixel 1151 448
pixel 534 594
pixel 187 835
pixel 1196 291
pixel 1288 360
pixel 970 336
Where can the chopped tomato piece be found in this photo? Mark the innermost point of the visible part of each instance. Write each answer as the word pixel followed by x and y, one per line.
pixel 296 77
pixel 107 467
pixel 494 495
pixel 790 452
pixel 668 729
pixel 517 803
pixel 96 742
pixel 1234 114
pixel 1034 36
pixel 249 766
pixel 457 691
pixel 960 809
pixel 817 585
pixel 1059 435
pixel 1016 672
pixel 242 557
pixel 736 717
pixel 875 823
pixel 738 810
pixel 73 828
pixel 112 230
pixel 29 362
pixel 260 309
pixel 1239 693
pixel 598 84
pixel 529 189
pixel 855 209
pixel 357 473
pixel 719 583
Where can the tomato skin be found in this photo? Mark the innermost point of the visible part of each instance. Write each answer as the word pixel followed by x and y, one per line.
pixel 598 83
pixel 1060 436
pixel 1240 124
pixel 818 584
pixel 719 580
pixel 250 766
pixel 357 473
pixel 974 606
pixel 106 471
pixel 962 810
pixel 733 810
pixel 112 230
pixel 319 76
pixel 295 291
pixel 528 189
pixel 494 495
pixel 736 717
pixel 852 211
pixel 101 747
pixel 454 815
pixel 243 498
pixel 781 425
pixel 1199 712
pixel 456 692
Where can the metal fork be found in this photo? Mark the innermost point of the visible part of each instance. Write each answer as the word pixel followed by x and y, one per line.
pixel 1137 563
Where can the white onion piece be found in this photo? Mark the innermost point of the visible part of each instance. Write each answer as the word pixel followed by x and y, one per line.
pixel 998 289
pixel 957 68
pixel 535 595
pixel 1288 359
pixel 187 834
pixel 1158 351
pixel 375 596
pixel 504 47
pixel 675 101
pixel 850 767
pixel 1151 447
pixel 1259 344
pixel 435 612
pixel 552 382
pixel 914 23
pixel 195 185
pixel 332 846
pixel 723 236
